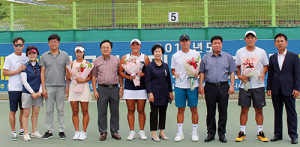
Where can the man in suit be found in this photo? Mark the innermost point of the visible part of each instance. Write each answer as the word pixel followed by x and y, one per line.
pixel 283 85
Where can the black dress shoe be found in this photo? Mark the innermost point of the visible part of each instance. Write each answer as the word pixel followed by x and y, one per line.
pixel 276 138
pixel 209 138
pixel 294 141
pixel 223 139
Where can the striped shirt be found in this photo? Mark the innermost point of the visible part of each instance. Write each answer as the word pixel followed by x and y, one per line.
pixel 106 70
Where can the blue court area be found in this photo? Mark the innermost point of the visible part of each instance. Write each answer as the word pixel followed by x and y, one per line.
pixel 171 129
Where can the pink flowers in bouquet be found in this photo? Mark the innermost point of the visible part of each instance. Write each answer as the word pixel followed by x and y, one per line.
pixel 192 67
pixel 82 71
pixel 249 67
pixel 132 66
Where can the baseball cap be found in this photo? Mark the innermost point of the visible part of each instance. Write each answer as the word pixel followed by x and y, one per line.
pixel 250 32
pixel 79 48
pixel 184 36
pixel 135 40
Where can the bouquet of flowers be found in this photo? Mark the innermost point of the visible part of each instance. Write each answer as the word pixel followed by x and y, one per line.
pixel 248 67
pixel 132 66
pixel 192 67
pixel 82 71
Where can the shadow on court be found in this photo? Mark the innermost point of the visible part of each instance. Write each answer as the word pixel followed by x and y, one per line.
pixel 171 129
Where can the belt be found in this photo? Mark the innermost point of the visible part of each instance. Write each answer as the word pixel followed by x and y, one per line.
pixel 109 86
pixel 217 84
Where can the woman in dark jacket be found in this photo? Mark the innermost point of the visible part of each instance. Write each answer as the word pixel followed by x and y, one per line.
pixel 159 88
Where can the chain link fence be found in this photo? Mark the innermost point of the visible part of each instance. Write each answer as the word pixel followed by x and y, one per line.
pixel 223 13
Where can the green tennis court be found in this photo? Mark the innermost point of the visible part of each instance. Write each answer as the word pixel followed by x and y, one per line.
pixel 171 129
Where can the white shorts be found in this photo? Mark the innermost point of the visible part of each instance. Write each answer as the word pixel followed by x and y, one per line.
pixel 135 94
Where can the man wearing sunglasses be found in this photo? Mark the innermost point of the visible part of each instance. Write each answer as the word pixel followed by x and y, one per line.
pixel 13 65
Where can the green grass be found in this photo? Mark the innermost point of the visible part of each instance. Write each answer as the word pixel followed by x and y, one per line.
pixel 98 14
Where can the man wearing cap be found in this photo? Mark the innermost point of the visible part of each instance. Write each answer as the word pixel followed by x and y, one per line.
pixel 106 74
pixel 53 70
pixel 182 87
pixel 215 68
pixel 13 65
pixel 254 59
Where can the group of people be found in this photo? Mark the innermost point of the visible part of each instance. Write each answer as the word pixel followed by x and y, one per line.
pixel 30 81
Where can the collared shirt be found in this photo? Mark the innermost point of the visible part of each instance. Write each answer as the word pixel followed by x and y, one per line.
pixel 281 58
pixel 55 67
pixel 158 82
pixel 106 70
pixel 217 68
pixel 33 77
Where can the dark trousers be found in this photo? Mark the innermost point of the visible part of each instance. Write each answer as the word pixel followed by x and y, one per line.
pixel 291 113
pixel 108 96
pixel 155 110
pixel 213 95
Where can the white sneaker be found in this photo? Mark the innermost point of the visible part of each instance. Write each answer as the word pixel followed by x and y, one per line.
pixel 131 135
pixel 26 137
pixel 82 135
pixel 179 137
pixel 142 135
pixel 195 136
pixel 14 136
pixel 76 136
pixel 36 134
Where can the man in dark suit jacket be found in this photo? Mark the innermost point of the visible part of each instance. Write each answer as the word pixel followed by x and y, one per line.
pixel 283 85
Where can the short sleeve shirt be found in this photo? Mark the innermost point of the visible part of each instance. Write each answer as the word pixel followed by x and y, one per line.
pixel 106 70
pixel 263 61
pixel 13 62
pixel 55 67
pixel 177 63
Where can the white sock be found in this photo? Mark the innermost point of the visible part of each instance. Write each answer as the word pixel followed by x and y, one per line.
pixel 180 125
pixel 243 128
pixel 21 130
pixel 259 128
pixel 141 130
pixel 195 128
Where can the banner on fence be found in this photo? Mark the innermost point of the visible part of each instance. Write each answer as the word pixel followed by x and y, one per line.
pixel 121 48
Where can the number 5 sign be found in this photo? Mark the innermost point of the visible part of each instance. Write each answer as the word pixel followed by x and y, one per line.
pixel 173 16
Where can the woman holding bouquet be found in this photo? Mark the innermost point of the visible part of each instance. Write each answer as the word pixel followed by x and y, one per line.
pixel 77 67
pixel 134 94
pixel 159 88
pixel 31 94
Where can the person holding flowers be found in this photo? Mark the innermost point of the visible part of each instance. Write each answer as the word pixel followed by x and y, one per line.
pixel 106 74
pixel 159 88
pixel 183 91
pixel 32 93
pixel 252 63
pixel 80 74
pixel 215 68
pixel 135 91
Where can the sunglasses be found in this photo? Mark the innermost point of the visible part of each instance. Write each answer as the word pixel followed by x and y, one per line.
pixel 34 70
pixel 18 45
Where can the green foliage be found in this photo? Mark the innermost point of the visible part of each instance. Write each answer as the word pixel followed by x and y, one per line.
pixel 3 12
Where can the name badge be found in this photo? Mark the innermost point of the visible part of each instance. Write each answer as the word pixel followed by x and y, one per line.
pixel 166 73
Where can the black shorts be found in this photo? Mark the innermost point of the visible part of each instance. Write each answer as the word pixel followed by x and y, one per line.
pixel 257 95
pixel 15 100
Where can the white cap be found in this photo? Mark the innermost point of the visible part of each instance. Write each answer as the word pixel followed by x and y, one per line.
pixel 135 40
pixel 79 48
pixel 250 32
